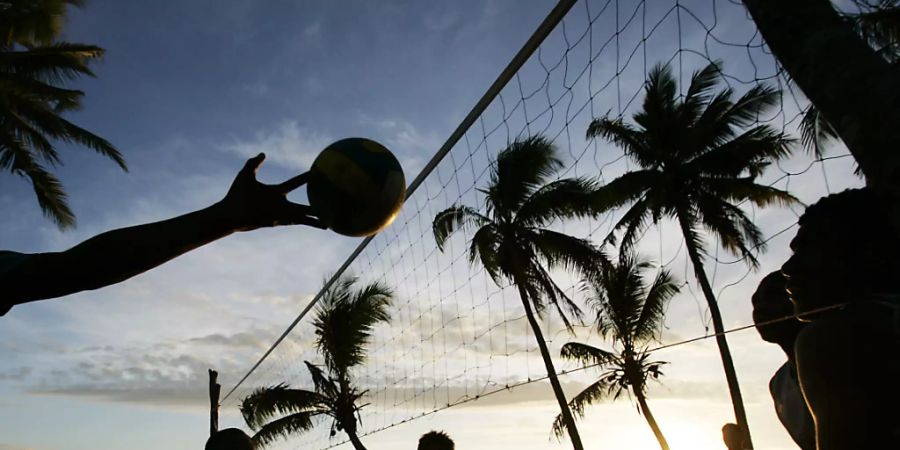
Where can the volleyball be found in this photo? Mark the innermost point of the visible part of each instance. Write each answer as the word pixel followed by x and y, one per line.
pixel 356 187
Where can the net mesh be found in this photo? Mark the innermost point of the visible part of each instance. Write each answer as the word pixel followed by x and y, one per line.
pixel 455 336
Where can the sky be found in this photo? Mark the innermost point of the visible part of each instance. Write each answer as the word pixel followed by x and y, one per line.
pixel 189 90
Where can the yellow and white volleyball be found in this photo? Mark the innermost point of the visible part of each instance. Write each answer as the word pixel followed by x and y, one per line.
pixel 356 187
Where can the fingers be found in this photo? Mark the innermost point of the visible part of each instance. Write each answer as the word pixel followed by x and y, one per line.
pixel 252 165
pixel 293 183
pixel 297 214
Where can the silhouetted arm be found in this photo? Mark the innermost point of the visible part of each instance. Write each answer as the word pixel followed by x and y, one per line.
pixel 120 254
pixel 847 368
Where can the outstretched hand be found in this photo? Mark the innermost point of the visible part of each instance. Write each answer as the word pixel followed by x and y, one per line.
pixel 250 204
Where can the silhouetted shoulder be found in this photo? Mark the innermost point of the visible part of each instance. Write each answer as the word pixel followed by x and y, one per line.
pixel 8 260
pixel 847 368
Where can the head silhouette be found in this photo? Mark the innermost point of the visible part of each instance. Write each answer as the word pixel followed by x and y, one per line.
pixel 846 250
pixel 435 440
pixel 732 436
pixel 229 439
pixel 772 302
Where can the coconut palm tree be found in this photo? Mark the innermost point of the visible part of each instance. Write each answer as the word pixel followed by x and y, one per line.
pixel 698 158
pixel 343 326
pixel 629 311
pixel 34 68
pixel 514 245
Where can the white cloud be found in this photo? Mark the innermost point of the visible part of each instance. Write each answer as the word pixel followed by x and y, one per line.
pixel 412 146
pixel 314 85
pixel 440 21
pixel 166 373
pixel 288 145
pixel 313 29
pixel 16 374
pixel 257 89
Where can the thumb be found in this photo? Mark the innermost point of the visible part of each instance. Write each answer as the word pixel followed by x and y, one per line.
pixel 252 165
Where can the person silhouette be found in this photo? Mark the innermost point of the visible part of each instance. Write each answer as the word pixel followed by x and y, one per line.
pixel 229 439
pixel 118 255
pixel 771 303
pixel 845 258
pixel 733 437
pixel 435 440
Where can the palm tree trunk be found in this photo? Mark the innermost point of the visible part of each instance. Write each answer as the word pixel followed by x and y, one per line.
pixel 354 439
pixel 568 420
pixel 645 410
pixel 734 387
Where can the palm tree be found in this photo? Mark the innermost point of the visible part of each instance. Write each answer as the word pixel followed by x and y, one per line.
pixel 630 312
pixel 699 157
pixel 513 244
pixel 34 68
pixel 343 326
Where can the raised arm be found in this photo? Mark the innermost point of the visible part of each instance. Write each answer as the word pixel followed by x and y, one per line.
pixel 120 254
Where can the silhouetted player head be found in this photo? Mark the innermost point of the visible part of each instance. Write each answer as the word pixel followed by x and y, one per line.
pixel 435 440
pixel 732 436
pixel 229 439
pixel 845 251
pixel 771 302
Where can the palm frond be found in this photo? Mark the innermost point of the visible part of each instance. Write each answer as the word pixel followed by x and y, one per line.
pixel 736 232
pixel 74 133
pixel 484 248
pixel 47 121
pixel 454 218
pixel 816 132
pixel 659 117
pixel 345 319
pixel 55 63
pixel 568 198
pixel 267 402
pixel 737 190
pixel 520 168
pixel 629 186
pixel 634 221
pixel 541 286
pixel 594 392
pixel 323 385
pixel 284 427
pixel 616 294
pixel 51 196
pixel 710 128
pixel 660 98
pixel 750 106
pixel 559 250
pixel 689 221
pixel 30 137
pixel 747 153
pixel 698 94
pixel 653 309
pixel 630 139
pixel 587 355
pixel 880 26
pixel 29 23
pixel 16 89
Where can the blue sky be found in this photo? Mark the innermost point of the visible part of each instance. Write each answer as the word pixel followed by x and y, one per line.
pixel 189 89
